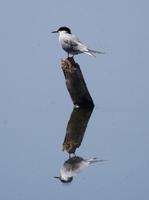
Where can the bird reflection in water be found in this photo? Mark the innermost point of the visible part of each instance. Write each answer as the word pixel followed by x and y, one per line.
pixel 73 166
pixel 74 135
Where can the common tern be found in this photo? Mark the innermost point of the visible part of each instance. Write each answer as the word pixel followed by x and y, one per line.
pixel 71 44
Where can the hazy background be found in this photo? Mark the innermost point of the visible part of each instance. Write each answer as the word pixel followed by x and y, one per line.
pixel 35 105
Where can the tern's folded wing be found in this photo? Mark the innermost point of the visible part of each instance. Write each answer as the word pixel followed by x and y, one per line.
pixel 71 42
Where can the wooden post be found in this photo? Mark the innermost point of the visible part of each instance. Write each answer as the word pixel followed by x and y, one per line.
pixel 76 84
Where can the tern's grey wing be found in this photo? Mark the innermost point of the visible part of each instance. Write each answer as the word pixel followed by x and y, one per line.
pixel 74 40
pixel 75 45
pixel 71 42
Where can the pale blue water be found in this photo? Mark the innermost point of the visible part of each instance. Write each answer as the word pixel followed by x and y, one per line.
pixel 35 106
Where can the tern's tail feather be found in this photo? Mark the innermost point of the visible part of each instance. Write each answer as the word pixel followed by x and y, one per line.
pixel 93 160
pixel 92 52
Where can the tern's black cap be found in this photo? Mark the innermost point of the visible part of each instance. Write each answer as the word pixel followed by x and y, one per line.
pixel 64 28
pixel 63 180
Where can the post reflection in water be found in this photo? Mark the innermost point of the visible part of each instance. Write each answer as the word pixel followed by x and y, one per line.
pixel 76 129
pixel 74 135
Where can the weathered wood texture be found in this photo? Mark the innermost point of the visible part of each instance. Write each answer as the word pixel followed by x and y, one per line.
pixel 76 84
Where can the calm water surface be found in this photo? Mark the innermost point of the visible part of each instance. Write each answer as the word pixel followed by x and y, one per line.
pixel 37 121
